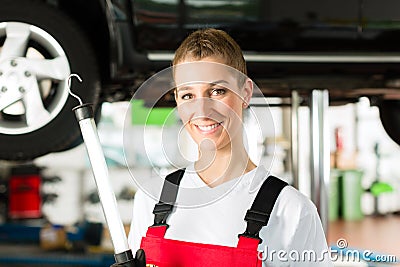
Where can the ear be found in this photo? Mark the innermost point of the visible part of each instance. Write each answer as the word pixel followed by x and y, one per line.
pixel 247 91
pixel 175 95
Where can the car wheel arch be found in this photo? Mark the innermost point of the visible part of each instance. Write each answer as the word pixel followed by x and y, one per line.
pixel 91 14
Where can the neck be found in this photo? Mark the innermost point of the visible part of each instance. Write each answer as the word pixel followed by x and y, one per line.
pixel 221 165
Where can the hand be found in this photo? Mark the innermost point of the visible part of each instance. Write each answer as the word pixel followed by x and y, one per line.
pixel 138 261
pixel 140 258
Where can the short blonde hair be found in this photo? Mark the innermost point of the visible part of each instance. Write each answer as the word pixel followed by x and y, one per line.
pixel 211 42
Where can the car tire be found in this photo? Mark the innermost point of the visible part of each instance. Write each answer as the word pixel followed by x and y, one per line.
pixel 36 115
pixel 389 111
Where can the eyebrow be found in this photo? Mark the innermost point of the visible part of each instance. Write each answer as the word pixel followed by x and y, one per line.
pixel 186 88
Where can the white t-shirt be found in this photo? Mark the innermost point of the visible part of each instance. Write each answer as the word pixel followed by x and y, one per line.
pixel 216 216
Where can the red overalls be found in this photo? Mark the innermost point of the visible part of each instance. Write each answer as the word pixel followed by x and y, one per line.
pixel 163 252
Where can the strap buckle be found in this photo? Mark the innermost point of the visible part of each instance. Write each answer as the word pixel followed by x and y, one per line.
pixel 257 216
pixel 255 221
pixel 162 208
pixel 161 212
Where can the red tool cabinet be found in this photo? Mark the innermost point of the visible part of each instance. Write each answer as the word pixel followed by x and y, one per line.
pixel 24 199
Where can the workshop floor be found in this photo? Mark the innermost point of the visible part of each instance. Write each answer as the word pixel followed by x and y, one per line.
pixel 379 234
pixel 25 255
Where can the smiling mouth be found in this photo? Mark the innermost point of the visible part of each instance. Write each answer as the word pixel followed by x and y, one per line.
pixel 208 128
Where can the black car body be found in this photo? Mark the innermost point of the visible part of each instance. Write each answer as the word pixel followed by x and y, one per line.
pixel 348 47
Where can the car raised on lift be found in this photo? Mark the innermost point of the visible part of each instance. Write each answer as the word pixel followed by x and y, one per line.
pixel 347 47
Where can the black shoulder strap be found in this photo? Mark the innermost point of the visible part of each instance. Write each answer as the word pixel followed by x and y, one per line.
pixel 258 215
pixel 168 197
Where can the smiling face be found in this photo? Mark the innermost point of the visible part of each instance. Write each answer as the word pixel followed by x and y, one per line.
pixel 210 102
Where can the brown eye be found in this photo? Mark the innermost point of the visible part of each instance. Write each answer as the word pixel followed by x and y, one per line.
pixel 218 91
pixel 186 97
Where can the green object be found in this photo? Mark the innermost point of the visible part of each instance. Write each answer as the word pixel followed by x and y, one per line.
pixel 378 188
pixel 142 115
pixel 351 192
pixel 333 213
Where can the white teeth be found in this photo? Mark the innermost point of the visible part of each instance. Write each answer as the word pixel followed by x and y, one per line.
pixel 208 127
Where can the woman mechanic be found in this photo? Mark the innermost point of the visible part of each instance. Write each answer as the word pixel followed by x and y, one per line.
pixel 189 227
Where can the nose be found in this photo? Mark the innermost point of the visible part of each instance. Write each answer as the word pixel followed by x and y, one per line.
pixel 202 107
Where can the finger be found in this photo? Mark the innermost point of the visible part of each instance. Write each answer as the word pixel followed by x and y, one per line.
pixel 140 258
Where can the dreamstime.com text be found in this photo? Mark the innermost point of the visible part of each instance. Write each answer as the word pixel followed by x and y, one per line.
pixel 338 253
